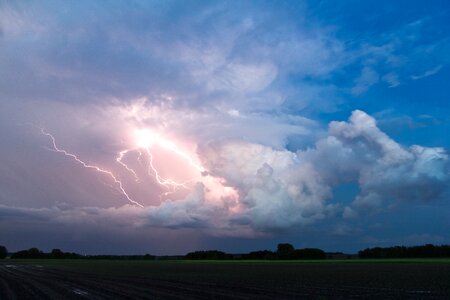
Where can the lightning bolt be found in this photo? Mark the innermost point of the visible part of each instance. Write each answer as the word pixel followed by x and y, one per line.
pixel 170 146
pixel 93 167
pixel 143 148
pixel 119 161
pixel 145 140
pixel 159 179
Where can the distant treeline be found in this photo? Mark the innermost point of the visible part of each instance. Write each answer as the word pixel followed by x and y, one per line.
pixel 283 252
pixel 425 251
pixel 35 253
pixel 208 255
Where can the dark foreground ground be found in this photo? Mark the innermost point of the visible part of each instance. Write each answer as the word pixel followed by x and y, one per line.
pixel 58 279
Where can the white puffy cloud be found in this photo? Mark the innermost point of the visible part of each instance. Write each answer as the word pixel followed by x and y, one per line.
pixel 275 189
pixel 385 171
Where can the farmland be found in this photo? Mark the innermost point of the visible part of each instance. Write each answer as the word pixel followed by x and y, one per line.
pixel 119 279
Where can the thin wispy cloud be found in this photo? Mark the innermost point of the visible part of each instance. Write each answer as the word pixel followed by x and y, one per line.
pixel 427 73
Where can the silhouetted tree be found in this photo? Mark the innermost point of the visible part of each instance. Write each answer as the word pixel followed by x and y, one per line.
pixel 30 253
pixel 57 253
pixel 285 251
pixel 3 252
pixel 35 253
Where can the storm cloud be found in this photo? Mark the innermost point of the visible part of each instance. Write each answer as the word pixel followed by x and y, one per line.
pixel 262 113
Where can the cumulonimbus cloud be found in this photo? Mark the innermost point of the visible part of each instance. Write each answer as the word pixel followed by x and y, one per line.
pixel 261 186
pixel 278 188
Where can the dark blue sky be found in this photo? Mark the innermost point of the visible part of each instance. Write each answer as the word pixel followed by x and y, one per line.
pixel 171 126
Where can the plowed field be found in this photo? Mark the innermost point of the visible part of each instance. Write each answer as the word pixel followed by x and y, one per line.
pixel 234 280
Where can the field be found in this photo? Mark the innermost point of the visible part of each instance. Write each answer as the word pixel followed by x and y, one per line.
pixel 103 279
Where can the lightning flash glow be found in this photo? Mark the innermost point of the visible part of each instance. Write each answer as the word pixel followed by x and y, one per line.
pixel 144 141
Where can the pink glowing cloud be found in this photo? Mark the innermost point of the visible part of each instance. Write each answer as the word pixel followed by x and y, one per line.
pixel 167 167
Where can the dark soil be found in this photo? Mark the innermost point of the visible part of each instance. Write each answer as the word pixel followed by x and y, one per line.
pixel 165 280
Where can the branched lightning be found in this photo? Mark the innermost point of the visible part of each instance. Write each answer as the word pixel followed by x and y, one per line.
pixel 94 167
pixel 143 148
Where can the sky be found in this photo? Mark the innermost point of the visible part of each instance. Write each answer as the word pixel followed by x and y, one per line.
pixel 163 127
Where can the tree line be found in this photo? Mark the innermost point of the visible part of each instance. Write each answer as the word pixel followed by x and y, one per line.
pixel 284 251
pixel 425 251
pixel 35 253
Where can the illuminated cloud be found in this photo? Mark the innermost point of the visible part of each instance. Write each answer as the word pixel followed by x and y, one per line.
pixel 253 187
